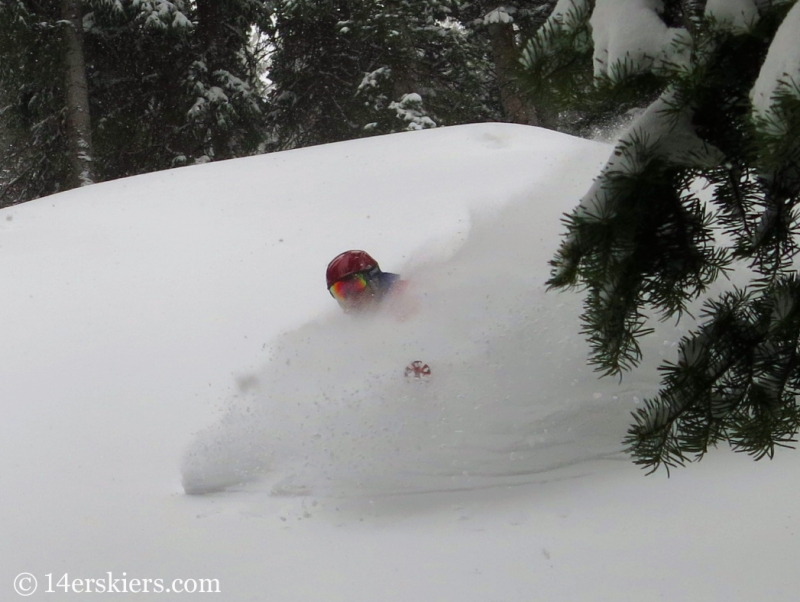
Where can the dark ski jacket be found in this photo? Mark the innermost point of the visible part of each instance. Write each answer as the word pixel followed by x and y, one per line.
pixel 385 283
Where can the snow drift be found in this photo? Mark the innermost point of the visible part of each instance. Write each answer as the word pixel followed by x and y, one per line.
pixel 332 412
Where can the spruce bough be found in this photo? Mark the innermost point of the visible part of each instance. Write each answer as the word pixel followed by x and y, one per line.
pixel 643 241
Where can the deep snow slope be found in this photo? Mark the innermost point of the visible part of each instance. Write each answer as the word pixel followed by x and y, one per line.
pixel 173 330
pixel 510 396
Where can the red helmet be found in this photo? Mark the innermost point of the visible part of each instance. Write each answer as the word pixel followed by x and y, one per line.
pixel 348 263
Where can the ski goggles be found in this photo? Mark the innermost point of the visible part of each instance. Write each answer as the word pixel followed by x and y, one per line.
pixel 349 288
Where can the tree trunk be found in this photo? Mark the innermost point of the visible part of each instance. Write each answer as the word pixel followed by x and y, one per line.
pixel 692 13
pixel 504 53
pixel 79 124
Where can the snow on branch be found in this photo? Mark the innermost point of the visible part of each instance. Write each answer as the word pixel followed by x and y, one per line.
pixel 663 131
pixel 112 5
pixel 630 33
pixel 567 21
pixel 501 14
pixel 371 80
pixel 410 110
pixel 736 15
pixel 780 73
pixel 163 14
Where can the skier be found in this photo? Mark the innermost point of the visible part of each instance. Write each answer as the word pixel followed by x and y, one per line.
pixel 357 283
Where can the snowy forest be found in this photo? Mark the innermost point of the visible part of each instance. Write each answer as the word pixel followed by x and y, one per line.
pixel 705 177
pixel 94 90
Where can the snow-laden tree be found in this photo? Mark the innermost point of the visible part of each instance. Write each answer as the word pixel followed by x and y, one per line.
pixel 167 82
pixel 228 115
pixel 500 24
pixel 140 55
pixel 645 240
pixel 348 68
pixel 35 159
pixel 577 90
pixel 174 82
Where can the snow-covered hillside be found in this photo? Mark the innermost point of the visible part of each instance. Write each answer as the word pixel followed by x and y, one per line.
pixel 173 331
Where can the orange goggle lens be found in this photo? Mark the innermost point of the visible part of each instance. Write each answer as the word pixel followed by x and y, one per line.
pixel 349 287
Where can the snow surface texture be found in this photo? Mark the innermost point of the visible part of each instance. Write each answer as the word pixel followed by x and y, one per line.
pixel 142 315
pixel 510 397
pixel 332 412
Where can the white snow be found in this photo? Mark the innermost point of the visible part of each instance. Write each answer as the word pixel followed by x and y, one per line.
pixel 563 12
pixel 630 37
pixel 409 109
pixel 181 21
pixel 781 68
pixel 160 13
pixel 739 15
pixel 214 94
pixel 371 79
pixel 660 131
pixel 175 327
pixel 501 14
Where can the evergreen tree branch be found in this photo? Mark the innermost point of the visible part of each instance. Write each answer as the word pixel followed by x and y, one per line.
pixel 641 241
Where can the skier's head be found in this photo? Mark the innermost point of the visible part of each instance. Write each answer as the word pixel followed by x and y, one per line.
pixel 351 280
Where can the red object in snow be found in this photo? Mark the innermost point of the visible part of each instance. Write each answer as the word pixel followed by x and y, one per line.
pixel 417 369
